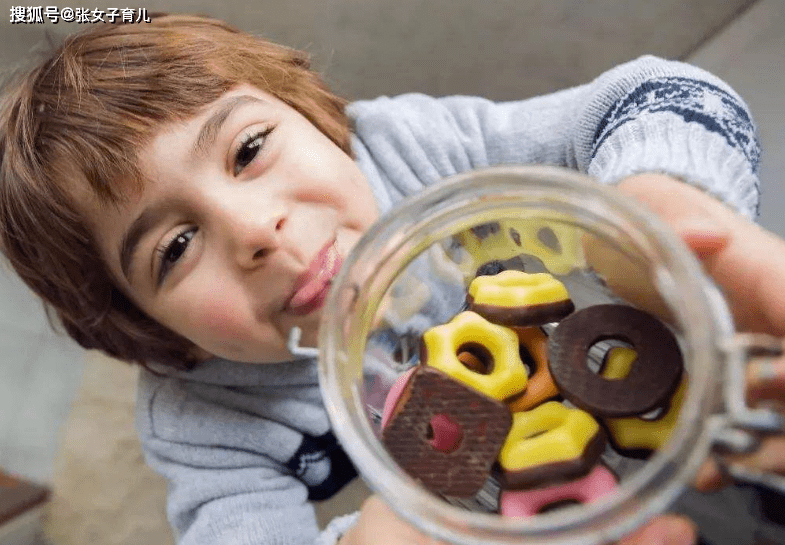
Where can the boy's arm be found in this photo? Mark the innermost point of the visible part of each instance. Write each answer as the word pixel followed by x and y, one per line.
pixel 648 115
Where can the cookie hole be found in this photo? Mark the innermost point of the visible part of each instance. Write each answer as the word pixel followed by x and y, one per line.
pixel 597 359
pixel 528 360
pixel 549 239
pixel 654 414
pixel 444 434
pixel 476 358
pixel 515 236
pixel 484 230
pixel 556 505
pixel 536 434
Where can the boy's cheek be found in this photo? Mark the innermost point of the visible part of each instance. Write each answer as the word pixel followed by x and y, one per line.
pixel 216 323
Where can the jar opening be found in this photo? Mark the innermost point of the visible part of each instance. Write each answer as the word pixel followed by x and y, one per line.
pixel 406 277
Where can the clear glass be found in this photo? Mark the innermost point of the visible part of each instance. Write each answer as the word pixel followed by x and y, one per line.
pixel 601 245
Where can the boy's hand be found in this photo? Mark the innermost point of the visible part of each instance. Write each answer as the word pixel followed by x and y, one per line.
pixel 379 525
pixel 748 264
pixel 744 259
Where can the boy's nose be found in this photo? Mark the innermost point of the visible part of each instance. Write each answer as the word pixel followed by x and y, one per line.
pixel 256 236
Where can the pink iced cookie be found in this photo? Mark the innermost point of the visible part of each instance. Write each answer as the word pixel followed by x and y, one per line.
pixel 526 503
pixel 447 434
pixel 394 395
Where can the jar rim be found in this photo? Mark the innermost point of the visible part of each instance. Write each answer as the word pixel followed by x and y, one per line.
pixel 695 302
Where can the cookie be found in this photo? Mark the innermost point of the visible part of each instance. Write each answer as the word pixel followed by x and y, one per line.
pixel 553 241
pixel 540 386
pixel 653 376
pixel 516 298
pixel 497 370
pixel 526 503
pixel 639 436
pixel 550 443
pixel 482 424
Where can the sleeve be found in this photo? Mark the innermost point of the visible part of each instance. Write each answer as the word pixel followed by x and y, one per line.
pixel 226 486
pixel 648 115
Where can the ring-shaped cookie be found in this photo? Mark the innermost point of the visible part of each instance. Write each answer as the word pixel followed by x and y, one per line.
pixel 503 376
pixel 638 437
pixel 526 503
pixel 549 443
pixel 520 299
pixel 654 374
pixel 554 241
pixel 541 386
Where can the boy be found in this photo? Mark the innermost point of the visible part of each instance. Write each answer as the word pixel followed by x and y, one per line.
pixel 181 195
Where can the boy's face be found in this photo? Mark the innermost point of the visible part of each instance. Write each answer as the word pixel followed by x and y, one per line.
pixel 248 214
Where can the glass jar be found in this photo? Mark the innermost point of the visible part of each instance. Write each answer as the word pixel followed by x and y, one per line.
pixel 410 271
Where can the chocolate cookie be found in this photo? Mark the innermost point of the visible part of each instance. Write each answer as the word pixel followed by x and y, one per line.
pixel 652 378
pixel 431 397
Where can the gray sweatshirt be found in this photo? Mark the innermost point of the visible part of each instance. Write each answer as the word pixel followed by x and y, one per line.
pixel 247 447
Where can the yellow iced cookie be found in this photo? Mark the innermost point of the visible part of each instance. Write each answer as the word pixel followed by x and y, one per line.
pixel 550 442
pixel 638 436
pixel 634 434
pixel 618 362
pixel 499 373
pixel 555 243
pixel 516 298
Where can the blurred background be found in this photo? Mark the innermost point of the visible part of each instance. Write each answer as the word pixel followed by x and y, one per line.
pixel 65 416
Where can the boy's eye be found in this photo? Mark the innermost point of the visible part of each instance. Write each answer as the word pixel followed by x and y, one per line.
pixel 170 252
pixel 250 147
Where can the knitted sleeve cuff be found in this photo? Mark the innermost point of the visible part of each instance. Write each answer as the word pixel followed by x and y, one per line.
pixel 687 151
pixel 336 529
pixel 652 115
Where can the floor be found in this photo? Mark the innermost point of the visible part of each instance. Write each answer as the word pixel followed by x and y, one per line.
pixel 742 42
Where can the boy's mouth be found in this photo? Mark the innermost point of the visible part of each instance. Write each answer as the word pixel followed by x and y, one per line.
pixel 311 287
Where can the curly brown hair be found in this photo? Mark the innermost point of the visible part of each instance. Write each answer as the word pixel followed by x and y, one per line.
pixel 79 119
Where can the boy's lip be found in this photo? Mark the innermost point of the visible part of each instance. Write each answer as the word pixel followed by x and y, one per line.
pixel 311 287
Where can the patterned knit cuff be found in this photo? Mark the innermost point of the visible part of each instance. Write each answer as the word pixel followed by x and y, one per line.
pixel 336 529
pixel 687 128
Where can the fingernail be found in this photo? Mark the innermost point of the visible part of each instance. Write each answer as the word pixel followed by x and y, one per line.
pixel 703 235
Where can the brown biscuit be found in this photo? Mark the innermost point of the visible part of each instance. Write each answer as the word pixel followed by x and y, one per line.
pixel 652 379
pixel 523 316
pixel 483 424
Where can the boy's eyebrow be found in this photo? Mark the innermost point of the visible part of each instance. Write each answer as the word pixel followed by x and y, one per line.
pixel 143 223
pixel 209 131
pixel 150 216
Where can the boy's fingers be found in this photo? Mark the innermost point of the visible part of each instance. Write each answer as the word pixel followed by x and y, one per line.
pixel 751 272
pixel 769 457
pixel 746 261
pixel 664 530
pixel 710 477
pixel 766 381
pixel 704 238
